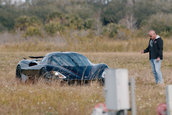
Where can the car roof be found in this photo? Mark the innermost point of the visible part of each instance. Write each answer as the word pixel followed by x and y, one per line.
pixel 61 53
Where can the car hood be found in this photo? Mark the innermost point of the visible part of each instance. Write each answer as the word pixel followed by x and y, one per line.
pixel 87 72
pixel 82 71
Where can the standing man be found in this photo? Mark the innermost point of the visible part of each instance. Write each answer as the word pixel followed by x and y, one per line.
pixel 155 49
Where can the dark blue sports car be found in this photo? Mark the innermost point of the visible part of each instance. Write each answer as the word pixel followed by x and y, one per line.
pixel 67 66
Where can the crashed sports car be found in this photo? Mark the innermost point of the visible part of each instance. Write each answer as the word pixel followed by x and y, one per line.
pixel 67 66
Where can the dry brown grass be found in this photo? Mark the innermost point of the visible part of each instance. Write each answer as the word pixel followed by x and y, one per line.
pixel 43 98
pixel 79 44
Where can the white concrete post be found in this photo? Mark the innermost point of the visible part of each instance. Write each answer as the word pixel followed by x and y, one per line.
pixel 117 89
pixel 169 99
pixel 133 101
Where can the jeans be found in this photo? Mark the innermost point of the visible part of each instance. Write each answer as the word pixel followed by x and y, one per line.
pixel 156 69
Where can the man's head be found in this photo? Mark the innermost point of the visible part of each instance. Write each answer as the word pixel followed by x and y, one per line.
pixel 152 34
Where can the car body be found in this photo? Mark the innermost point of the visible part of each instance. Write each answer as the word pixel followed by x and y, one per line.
pixel 67 66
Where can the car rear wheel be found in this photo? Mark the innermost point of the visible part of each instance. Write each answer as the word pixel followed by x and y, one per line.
pixel 18 72
pixel 21 77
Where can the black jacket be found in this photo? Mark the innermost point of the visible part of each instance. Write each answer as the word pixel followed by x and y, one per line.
pixel 155 48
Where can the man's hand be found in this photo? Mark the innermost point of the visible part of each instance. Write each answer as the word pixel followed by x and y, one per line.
pixel 158 59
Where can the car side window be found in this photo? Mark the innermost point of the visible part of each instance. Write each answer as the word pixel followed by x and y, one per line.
pixel 44 60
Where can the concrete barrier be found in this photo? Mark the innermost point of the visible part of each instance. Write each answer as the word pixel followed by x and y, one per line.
pixel 169 99
pixel 117 89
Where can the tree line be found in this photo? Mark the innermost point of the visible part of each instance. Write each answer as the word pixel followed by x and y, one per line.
pixel 103 17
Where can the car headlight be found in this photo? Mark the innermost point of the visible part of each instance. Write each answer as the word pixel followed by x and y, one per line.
pixel 58 74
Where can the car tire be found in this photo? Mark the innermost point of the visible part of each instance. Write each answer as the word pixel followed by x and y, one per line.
pixel 18 72
pixel 101 82
pixel 71 82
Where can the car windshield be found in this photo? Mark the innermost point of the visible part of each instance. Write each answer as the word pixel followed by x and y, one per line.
pixel 80 60
pixel 62 60
pixel 66 60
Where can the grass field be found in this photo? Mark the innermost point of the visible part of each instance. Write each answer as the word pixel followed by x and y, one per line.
pixel 50 99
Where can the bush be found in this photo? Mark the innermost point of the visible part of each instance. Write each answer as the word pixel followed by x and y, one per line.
pixel 23 22
pixel 89 24
pixel 124 33
pixel 33 31
pixel 161 23
pixel 75 22
pixel 110 30
pixel 53 27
